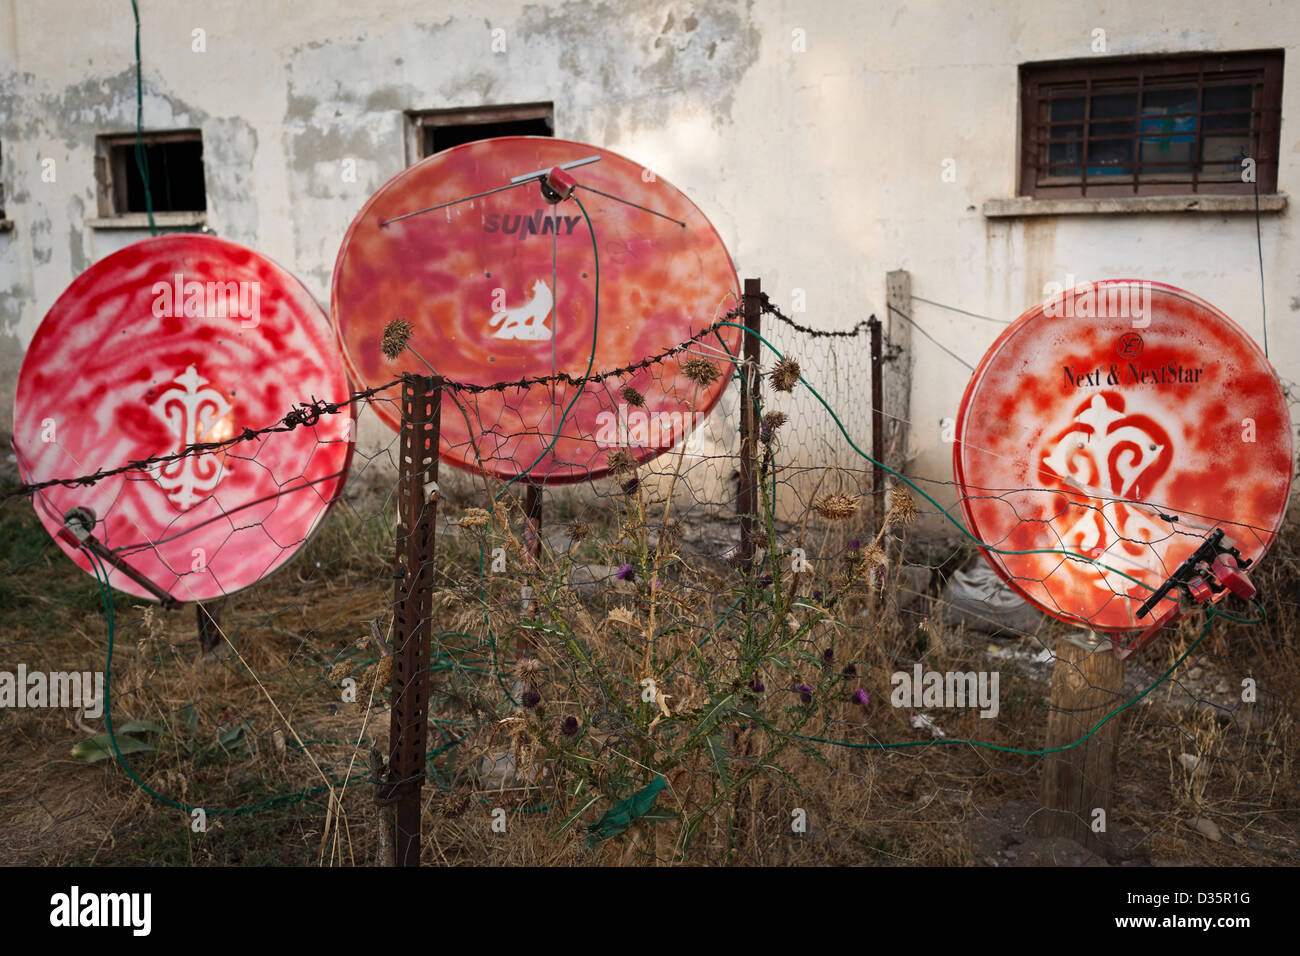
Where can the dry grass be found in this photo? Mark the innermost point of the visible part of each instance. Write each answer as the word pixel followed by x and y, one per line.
pixel 261 727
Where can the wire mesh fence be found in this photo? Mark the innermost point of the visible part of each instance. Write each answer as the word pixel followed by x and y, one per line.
pixel 621 678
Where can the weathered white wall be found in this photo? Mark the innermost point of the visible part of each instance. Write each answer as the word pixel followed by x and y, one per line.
pixel 821 168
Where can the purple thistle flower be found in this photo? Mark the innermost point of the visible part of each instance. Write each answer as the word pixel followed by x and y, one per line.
pixel 624 572
pixel 757 686
pixel 817 595
pixel 765 580
pixel 805 693
pixel 631 485
pixel 828 655
pixel 854 544
pixel 569 726
pixel 849 670
pixel 532 698
pixel 860 696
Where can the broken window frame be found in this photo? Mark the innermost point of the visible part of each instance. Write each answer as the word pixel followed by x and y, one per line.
pixel 421 124
pixel 113 151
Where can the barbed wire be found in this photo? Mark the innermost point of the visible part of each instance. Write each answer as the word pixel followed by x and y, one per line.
pixel 307 414
pixel 303 414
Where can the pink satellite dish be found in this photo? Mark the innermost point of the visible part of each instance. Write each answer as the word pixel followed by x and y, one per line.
pixel 1137 426
pixel 503 286
pixel 171 341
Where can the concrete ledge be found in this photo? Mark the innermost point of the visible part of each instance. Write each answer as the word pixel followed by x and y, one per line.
pixel 1022 206
pixel 140 220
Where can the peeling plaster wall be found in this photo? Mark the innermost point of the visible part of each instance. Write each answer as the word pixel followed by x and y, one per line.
pixel 820 168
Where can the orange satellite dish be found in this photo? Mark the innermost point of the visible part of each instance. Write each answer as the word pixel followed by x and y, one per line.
pixel 1136 426
pixel 500 283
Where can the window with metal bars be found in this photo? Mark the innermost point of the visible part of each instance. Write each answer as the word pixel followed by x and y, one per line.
pixel 1151 126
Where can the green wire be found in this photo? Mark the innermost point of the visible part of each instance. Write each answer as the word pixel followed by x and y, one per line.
pixel 141 158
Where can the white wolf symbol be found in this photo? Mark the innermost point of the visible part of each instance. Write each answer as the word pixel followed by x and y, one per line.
pixel 526 321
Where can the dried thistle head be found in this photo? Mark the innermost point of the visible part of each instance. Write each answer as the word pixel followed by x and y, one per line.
pixel 785 376
pixel 633 397
pixel 576 531
pixel 701 371
pixel 902 509
pixel 452 804
pixel 529 669
pixel 836 507
pixel 340 670
pixel 382 673
pixel 396 334
pixel 874 557
pixel 771 422
pixel 474 518
pixel 620 461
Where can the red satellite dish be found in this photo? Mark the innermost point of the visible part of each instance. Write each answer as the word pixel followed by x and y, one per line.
pixel 1124 421
pixel 502 287
pixel 170 341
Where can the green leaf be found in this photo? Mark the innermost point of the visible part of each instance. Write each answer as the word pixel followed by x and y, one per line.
pixel 713 716
pixel 101 747
pixel 189 713
pixel 575 814
pixel 233 735
pixel 718 753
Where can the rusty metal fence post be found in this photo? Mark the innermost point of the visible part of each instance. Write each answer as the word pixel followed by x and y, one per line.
pixel 877 422
pixel 209 625
pixel 533 557
pixel 750 379
pixel 417 512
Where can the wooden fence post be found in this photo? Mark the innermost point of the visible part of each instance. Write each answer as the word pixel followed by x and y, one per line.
pixel 1087 684
pixel 898 384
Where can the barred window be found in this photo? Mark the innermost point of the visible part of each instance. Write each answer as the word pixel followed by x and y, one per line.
pixel 1151 126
